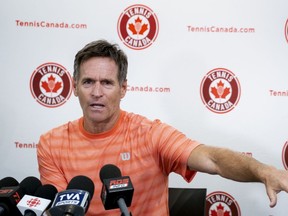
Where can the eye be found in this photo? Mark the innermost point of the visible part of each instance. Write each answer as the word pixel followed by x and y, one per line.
pixel 87 82
pixel 107 82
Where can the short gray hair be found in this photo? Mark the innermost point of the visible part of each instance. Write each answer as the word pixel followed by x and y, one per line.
pixel 102 48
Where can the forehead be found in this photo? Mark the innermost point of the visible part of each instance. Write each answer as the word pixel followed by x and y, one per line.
pixel 99 66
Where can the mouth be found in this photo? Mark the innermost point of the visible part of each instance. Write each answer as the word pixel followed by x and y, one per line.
pixel 97 106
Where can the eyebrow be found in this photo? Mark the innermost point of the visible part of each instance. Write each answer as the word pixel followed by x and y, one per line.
pixel 101 80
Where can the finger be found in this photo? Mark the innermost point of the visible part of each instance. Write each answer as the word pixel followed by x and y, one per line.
pixel 272 197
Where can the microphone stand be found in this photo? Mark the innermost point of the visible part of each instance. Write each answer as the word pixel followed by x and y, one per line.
pixel 123 208
pixel 29 213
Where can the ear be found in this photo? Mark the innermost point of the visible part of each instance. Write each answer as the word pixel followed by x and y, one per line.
pixel 123 89
pixel 75 90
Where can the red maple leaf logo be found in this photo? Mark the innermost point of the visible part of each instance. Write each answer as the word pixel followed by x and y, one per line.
pixel 51 85
pixel 220 211
pixel 137 27
pixel 220 91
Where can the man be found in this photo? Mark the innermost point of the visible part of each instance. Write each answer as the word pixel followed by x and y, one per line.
pixel 145 150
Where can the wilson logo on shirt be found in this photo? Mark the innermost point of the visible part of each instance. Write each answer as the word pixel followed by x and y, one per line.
pixel 51 85
pixel 220 203
pixel 125 156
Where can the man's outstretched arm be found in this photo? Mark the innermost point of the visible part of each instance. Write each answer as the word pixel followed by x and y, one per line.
pixel 238 167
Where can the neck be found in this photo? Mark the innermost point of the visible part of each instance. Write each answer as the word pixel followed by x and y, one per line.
pixel 101 127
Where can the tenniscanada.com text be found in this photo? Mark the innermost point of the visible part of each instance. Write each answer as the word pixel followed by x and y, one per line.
pixel 218 29
pixel 45 24
pixel 148 89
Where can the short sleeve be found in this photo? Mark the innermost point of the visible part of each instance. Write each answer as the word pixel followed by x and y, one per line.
pixel 173 149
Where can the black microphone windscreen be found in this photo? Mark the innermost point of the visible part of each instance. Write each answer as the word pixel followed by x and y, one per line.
pixel 8 182
pixel 109 171
pixel 46 191
pixel 29 185
pixel 117 190
pixel 82 183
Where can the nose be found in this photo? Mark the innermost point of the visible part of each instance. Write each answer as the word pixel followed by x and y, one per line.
pixel 97 90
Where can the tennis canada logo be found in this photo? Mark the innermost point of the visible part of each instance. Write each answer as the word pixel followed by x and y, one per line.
pixel 286 30
pixel 285 155
pixel 51 85
pixel 138 27
pixel 220 90
pixel 220 203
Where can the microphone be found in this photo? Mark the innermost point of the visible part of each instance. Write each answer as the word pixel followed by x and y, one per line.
pixel 75 200
pixel 117 190
pixel 8 182
pixel 11 195
pixel 30 184
pixel 37 204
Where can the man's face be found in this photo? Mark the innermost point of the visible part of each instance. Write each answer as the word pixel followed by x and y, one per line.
pixel 99 93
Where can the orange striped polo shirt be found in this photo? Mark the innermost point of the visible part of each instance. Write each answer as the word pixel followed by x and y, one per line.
pixel 145 150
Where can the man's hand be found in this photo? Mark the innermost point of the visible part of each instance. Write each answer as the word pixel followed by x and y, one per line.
pixel 275 181
pixel 239 167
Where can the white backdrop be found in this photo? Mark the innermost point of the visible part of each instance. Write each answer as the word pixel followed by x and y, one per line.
pixel 190 43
